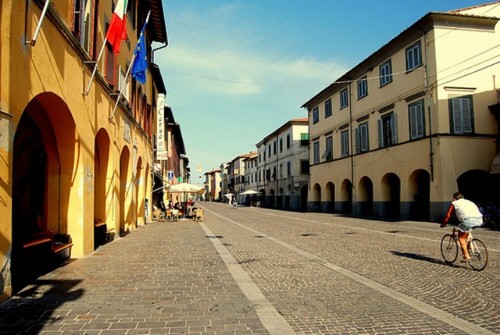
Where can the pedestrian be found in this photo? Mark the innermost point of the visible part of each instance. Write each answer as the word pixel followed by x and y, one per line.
pixel 469 217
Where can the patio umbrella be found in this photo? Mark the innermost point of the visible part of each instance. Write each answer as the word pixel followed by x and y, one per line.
pixel 249 192
pixel 186 188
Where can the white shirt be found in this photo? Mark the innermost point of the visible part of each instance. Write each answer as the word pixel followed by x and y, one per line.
pixel 466 209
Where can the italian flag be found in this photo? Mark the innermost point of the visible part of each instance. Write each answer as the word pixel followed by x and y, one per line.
pixel 117 29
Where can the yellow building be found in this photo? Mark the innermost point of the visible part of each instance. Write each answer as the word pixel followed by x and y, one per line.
pixel 413 123
pixel 68 158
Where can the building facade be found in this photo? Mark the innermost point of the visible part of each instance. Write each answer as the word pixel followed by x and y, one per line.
pixel 73 150
pixel 283 166
pixel 213 185
pixel 411 124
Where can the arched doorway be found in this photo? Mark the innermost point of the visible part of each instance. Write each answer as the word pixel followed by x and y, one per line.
pixel 391 193
pixel 139 194
pixel 315 203
pixel 365 197
pixel 103 188
pixel 476 185
pixel 419 187
pixel 44 150
pixel 330 198
pixel 125 192
pixel 345 202
pixel 303 198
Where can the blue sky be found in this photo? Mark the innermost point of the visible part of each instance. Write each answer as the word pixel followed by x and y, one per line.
pixel 237 70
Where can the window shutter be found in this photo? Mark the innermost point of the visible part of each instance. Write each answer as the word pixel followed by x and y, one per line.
pixel 420 120
pixel 358 139
pixel 380 133
pixel 394 129
pixel 364 137
pixel 457 116
pixel 466 115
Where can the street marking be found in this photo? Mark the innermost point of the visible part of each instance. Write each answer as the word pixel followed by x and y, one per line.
pixel 443 316
pixel 268 315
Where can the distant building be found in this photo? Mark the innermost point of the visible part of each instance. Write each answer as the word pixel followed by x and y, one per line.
pixel 283 166
pixel 237 173
pixel 413 123
pixel 213 185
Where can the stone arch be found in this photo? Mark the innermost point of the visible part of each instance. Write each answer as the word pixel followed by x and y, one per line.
pixel 44 172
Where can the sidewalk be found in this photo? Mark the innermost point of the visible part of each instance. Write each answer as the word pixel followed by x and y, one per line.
pixel 165 278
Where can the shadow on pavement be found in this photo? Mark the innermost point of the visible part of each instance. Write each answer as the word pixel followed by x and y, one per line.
pixel 32 308
pixel 422 258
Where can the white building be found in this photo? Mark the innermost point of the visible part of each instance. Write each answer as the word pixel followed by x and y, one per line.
pixel 283 166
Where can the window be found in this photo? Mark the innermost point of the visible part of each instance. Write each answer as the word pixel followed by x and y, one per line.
pixel 289 168
pixel 461 115
pixel 83 14
pixel 109 73
pixel 387 130
pixel 316 152
pixel 344 143
pixel 417 119
pixel 385 73
pixel 344 98
pixel 328 108
pixel 315 115
pixel 281 144
pixel 304 167
pixel 288 141
pixel 413 56
pixel 328 154
pixel 275 146
pixel 362 87
pixel 304 139
pixel 269 150
pixel 362 137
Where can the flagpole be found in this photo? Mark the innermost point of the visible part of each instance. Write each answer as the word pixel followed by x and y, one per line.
pixel 122 86
pixel 129 67
pixel 95 67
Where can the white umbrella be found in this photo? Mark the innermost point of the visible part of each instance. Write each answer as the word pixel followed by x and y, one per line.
pixel 229 195
pixel 250 192
pixel 186 188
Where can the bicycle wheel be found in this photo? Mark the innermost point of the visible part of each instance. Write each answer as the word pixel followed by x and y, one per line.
pixel 478 255
pixel 449 248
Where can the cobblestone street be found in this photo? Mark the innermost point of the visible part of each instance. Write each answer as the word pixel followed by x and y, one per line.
pixel 261 271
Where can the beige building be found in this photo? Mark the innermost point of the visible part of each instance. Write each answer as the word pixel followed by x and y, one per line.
pixel 283 166
pixel 413 123
pixel 213 185
pixel 69 160
pixel 237 174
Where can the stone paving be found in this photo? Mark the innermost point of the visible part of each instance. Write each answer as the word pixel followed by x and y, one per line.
pixel 260 271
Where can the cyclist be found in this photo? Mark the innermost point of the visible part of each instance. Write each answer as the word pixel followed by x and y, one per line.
pixel 469 217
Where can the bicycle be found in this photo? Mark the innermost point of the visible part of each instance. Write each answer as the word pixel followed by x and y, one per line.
pixel 477 250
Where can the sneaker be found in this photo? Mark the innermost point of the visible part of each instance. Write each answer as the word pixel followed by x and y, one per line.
pixel 465 260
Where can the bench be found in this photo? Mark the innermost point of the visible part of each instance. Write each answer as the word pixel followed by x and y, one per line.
pixel 60 245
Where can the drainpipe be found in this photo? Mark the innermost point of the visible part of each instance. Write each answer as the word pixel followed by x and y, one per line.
pixel 351 151
pixel 428 94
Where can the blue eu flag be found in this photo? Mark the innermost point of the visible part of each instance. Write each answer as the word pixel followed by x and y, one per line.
pixel 141 61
